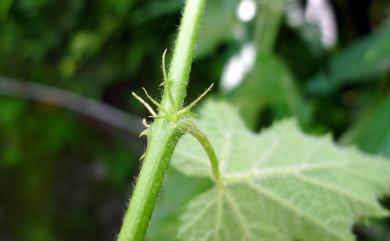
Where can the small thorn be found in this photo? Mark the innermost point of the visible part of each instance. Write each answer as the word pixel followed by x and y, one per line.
pixel 164 68
pixel 190 106
pixel 166 83
pixel 147 106
pixel 158 117
pixel 150 98
pixel 142 157
pixel 145 123
pixel 154 102
pixel 143 133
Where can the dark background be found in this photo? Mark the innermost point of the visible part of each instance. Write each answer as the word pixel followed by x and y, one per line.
pixel 67 163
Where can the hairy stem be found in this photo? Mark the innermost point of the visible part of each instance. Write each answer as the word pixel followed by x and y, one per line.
pixel 163 135
pixel 180 67
pixel 189 127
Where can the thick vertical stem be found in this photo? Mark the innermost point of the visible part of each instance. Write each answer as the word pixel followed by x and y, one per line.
pixel 180 67
pixel 163 135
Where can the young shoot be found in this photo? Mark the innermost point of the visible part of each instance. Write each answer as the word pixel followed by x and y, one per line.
pixel 172 115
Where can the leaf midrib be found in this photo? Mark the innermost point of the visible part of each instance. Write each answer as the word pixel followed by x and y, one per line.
pixel 269 172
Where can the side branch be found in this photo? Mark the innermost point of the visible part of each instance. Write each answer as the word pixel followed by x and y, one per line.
pixel 190 127
pixel 88 107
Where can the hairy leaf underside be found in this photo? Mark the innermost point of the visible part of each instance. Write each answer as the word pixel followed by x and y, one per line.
pixel 280 185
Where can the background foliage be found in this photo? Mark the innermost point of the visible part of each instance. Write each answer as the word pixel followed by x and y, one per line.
pixel 67 176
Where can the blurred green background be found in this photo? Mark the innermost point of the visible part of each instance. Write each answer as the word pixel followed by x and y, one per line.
pixel 69 144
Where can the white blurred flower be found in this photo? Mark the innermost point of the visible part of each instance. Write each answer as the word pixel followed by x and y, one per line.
pixel 238 66
pixel 246 10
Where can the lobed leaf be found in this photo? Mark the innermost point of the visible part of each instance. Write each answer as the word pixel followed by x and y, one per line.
pixel 281 185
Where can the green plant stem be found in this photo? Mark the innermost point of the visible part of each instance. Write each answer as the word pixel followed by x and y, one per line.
pixel 267 24
pixel 180 67
pixel 163 135
pixel 189 127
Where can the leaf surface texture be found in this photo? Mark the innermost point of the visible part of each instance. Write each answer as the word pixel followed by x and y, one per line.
pixel 280 185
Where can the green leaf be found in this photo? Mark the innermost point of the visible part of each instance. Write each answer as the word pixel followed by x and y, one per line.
pixel 269 84
pixel 218 13
pixel 10 110
pixel 367 57
pixel 280 185
pixel 156 9
pixel 372 133
pixel 5 5
pixel 165 220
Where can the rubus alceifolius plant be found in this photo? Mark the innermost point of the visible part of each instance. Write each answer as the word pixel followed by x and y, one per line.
pixel 279 185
